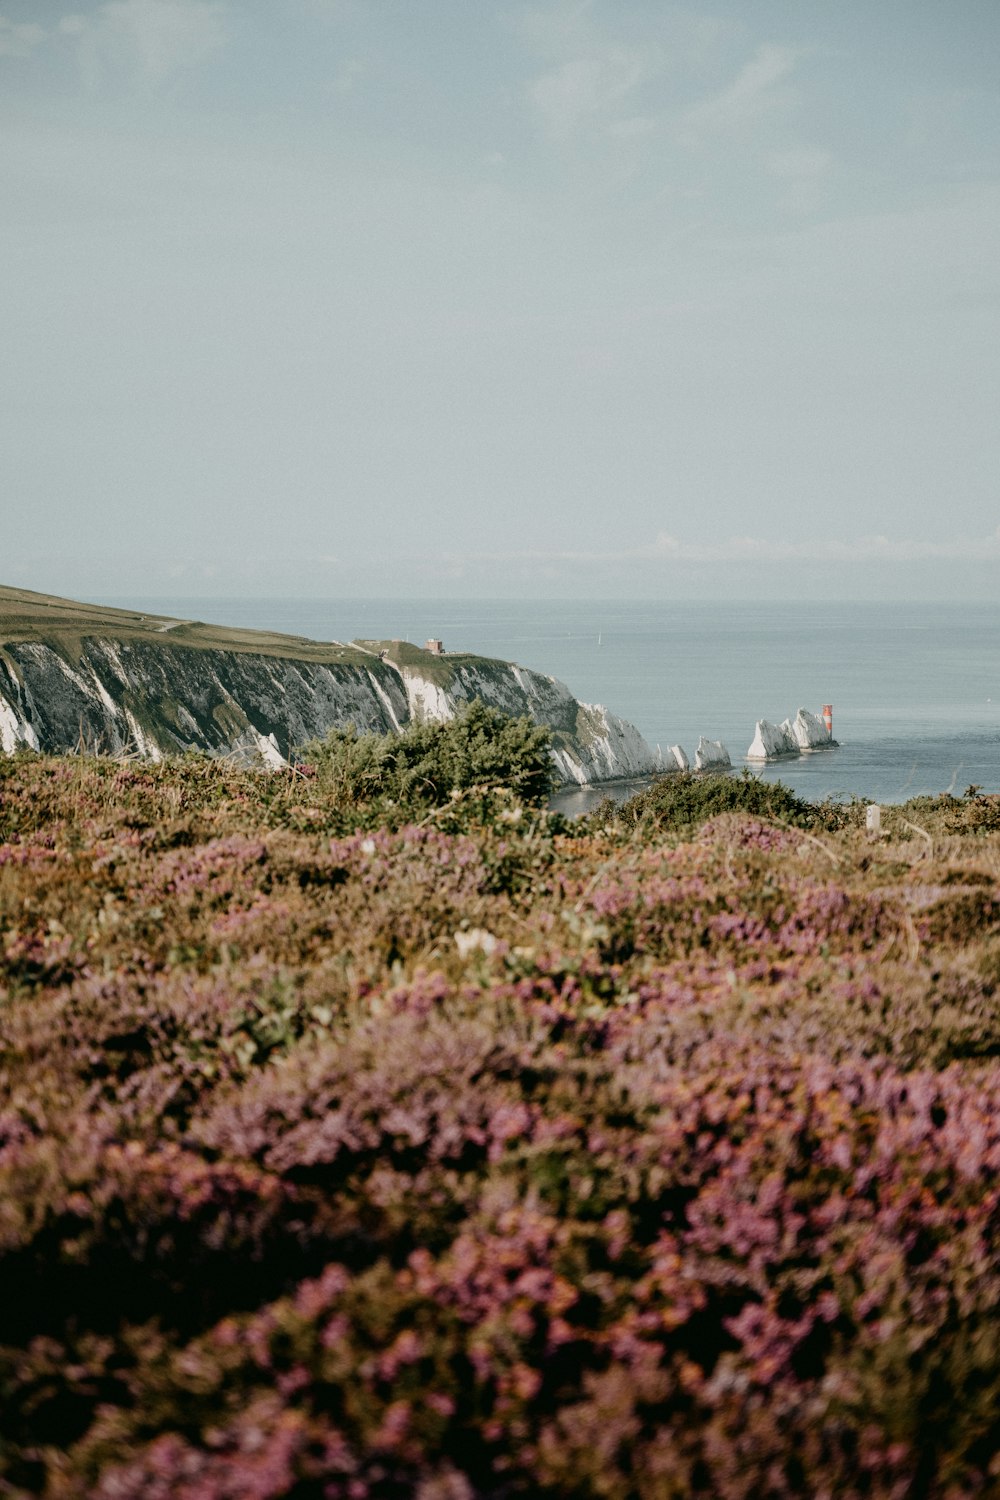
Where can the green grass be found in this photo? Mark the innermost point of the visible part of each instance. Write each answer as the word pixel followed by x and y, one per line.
pixel 64 624
pixel 436 669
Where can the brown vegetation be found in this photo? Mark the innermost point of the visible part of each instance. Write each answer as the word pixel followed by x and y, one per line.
pixel 485 1156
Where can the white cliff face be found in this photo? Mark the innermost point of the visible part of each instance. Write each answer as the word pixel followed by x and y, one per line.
pixel 604 748
pixel 772 741
pixel 588 742
pixel 386 701
pixel 156 699
pixel 711 755
pixel 15 732
pixel 141 741
pixel 161 698
pixel 267 746
pixel 569 769
pixel 676 760
pixel 426 699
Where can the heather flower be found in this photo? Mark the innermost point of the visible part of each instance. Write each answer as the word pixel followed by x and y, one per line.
pixel 504 1161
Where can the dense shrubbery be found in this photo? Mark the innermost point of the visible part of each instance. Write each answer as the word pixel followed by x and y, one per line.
pixel 491 1163
pixel 971 813
pixel 482 759
pixel 681 802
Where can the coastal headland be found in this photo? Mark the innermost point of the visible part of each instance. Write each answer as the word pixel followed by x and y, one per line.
pixel 116 681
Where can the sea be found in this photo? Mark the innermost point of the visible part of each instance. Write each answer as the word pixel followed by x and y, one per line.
pixel 915 687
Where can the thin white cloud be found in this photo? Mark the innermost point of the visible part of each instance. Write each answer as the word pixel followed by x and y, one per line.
pixel 582 87
pixel 800 163
pixel 634 127
pixel 558 30
pixel 862 549
pixel 19 39
pixel 592 64
pixel 757 90
pixel 157 37
pixel 667 548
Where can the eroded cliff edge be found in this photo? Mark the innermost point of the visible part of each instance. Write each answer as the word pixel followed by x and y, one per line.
pixel 115 681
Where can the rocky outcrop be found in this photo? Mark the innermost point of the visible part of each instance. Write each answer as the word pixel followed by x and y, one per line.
pixel 154 695
pixel 711 755
pixel 158 698
pixel 810 732
pixel 799 736
pixel 772 742
pixel 601 747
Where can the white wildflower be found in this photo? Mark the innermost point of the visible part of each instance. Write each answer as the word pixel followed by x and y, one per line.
pixel 475 938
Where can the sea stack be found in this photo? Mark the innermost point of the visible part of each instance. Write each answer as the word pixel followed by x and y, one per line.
pixel 811 732
pixel 772 742
pixel 799 736
pixel 712 755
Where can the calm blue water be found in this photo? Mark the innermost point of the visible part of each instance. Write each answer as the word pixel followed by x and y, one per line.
pixel 915 688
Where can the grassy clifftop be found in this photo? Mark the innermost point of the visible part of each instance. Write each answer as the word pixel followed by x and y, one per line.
pixel 64 624
pixel 437 669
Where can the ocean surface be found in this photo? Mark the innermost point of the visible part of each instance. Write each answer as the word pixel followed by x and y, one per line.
pixel 915 687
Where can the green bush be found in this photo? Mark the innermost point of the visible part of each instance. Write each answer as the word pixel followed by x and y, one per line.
pixel 974 812
pixel 680 802
pixel 482 759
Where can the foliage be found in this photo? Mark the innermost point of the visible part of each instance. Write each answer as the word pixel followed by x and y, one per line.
pixel 681 802
pixel 972 813
pixel 496 1162
pixel 482 756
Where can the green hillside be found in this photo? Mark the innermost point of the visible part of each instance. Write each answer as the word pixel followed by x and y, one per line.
pixel 64 623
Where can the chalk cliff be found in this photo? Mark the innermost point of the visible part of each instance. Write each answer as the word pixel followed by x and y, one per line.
pixel 772 742
pixel 810 732
pixel 119 682
pixel 711 755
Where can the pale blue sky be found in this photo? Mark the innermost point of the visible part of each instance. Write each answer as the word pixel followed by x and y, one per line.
pixel 338 298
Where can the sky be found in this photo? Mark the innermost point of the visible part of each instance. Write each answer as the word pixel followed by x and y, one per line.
pixel 622 298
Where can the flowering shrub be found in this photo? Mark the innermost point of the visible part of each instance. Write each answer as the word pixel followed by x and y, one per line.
pixel 505 1161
